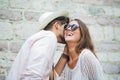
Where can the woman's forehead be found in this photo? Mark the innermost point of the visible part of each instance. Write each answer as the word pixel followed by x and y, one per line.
pixel 74 22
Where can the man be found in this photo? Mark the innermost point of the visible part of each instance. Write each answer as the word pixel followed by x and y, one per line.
pixel 34 60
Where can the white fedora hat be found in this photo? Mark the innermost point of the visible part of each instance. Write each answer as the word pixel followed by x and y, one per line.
pixel 47 17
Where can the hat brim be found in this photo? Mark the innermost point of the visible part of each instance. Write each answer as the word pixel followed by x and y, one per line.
pixel 46 18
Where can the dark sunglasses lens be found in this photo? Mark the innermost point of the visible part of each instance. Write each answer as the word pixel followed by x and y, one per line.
pixel 66 27
pixel 74 27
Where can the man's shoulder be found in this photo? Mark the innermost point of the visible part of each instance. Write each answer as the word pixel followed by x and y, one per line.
pixel 42 34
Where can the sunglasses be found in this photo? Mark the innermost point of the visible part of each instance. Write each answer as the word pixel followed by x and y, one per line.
pixel 73 27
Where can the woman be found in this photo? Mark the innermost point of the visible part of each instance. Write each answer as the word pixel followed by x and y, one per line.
pixel 83 63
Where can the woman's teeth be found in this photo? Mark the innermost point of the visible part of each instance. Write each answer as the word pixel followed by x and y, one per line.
pixel 70 34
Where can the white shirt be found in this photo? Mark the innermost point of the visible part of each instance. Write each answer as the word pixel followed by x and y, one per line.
pixel 34 60
pixel 87 68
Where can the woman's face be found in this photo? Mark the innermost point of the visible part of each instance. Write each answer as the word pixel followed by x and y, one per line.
pixel 72 33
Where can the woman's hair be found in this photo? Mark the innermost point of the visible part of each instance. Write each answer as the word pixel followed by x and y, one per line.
pixel 61 20
pixel 85 40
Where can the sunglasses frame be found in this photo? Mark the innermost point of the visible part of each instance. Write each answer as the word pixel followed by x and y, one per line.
pixel 73 27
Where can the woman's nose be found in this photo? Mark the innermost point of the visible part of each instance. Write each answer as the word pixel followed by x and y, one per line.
pixel 69 28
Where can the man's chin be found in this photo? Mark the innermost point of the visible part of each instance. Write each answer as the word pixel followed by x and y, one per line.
pixel 62 41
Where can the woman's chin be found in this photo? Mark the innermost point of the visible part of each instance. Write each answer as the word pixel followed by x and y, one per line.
pixel 68 40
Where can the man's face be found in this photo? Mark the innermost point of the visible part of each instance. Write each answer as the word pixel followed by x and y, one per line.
pixel 61 34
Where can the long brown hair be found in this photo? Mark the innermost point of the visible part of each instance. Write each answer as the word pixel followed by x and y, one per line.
pixel 85 40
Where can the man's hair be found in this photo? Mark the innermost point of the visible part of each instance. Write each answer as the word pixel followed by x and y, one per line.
pixel 61 20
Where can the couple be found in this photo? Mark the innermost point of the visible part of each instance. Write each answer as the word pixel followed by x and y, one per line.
pixel 79 62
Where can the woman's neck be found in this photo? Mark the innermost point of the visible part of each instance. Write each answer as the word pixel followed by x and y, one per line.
pixel 72 54
pixel 72 51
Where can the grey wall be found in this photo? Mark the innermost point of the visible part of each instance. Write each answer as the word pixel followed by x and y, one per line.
pixel 19 20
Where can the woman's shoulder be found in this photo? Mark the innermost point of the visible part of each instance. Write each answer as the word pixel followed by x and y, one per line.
pixel 87 58
pixel 86 53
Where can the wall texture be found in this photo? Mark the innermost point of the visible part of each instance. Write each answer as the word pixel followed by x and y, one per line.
pixel 19 20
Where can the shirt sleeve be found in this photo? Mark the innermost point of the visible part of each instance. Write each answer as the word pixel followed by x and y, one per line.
pixel 92 68
pixel 40 60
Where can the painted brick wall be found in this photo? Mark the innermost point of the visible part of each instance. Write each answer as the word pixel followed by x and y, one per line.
pixel 19 20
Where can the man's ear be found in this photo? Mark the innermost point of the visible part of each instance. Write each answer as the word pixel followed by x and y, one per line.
pixel 56 25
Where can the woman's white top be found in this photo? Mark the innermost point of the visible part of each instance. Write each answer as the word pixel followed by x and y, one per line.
pixel 87 68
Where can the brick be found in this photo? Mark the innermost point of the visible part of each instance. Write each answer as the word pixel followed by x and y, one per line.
pixel 6 58
pixel 108 2
pixel 20 4
pixel 4 4
pixel 10 15
pixel 3 46
pixel 108 11
pixel 42 5
pixel 57 56
pixel 117 32
pixel 103 21
pixel 108 21
pixel 96 11
pixel 116 11
pixel 114 21
pixel 116 3
pixel 111 68
pixel 32 16
pixel 2 61
pixel 71 7
pixel 114 56
pixel 59 51
pixel 6 28
pixel 108 34
pixel 95 32
pixel 102 56
pixel 111 77
pixel 15 46
pixel 88 20
pixel 98 2
pixel 80 10
pixel 25 29
pixel 102 46
pixel 2 76
pixel 10 57
pixel 114 77
pixel 2 70
pixel 106 76
pixel 37 5
pixel 60 47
